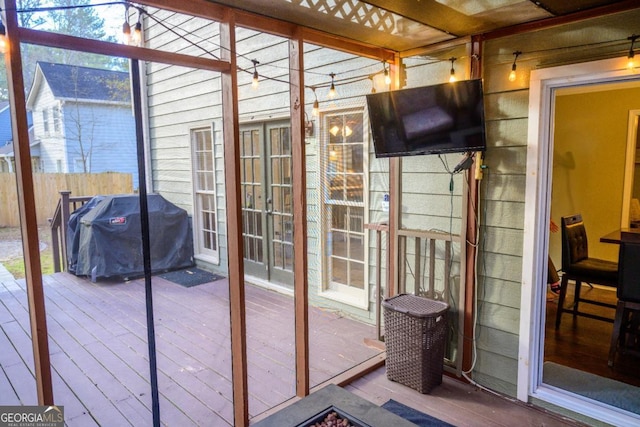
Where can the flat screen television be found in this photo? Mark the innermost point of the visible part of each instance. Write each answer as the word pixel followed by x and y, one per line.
pixel 442 118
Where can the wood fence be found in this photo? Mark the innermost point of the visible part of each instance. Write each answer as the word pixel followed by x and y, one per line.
pixel 47 187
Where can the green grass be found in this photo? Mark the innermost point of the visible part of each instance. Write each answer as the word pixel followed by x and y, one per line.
pixel 16 266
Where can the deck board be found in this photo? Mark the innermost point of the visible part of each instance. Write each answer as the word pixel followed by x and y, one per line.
pixel 99 352
pixel 99 356
pixel 457 403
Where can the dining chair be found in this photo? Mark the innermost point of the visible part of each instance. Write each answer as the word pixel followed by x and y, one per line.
pixel 626 334
pixel 578 266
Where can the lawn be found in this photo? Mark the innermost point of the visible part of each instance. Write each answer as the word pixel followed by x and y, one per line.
pixel 15 264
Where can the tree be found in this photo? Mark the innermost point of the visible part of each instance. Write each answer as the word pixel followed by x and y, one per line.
pixel 73 17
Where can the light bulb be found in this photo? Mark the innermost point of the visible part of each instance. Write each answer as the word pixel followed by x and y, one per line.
pixel 512 74
pixel 387 77
pixel 316 108
pixel 255 82
pixel 136 37
pixel 452 74
pixel 332 89
pixel 126 33
pixel 631 64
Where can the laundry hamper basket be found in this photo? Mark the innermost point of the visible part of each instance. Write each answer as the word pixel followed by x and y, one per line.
pixel 415 332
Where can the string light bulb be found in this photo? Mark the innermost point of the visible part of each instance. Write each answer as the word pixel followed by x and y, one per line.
pixel 332 89
pixel 4 43
pixel 136 36
pixel 512 74
pixel 316 105
pixel 452 74
pixel 631 64
pixel 387 77
pixel 256 77
pixel 126 28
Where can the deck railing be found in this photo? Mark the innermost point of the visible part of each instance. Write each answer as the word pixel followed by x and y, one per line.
pixel 58 223
pixel 425 268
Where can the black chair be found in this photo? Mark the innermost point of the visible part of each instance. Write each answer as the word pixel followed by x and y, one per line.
pixel 626 335
pixel 579 267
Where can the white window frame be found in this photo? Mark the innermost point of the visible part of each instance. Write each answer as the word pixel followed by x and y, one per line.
pixel 341 293
pixel 45 121
pixel 57 120
pixel 201 252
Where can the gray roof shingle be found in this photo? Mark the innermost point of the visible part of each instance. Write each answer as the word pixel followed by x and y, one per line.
pixel 75 82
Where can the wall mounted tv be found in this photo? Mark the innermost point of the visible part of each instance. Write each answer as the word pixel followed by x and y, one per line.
pixel 443 118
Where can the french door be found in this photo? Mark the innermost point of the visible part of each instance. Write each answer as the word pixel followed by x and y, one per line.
pixel 267 205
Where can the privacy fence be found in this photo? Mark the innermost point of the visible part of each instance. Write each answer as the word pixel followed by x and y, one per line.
pixel 47 188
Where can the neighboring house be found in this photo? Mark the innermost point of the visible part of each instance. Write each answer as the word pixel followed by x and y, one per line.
pixel 7 152
pixel 83 119
pixel 347 187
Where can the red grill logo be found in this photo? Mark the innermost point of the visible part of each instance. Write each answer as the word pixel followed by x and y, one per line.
pixel 119 220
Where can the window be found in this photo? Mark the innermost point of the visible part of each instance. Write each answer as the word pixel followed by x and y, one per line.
pixel 344 205
pixel 205 218
pixel 56 119
pixel 45 121
pixel 78 165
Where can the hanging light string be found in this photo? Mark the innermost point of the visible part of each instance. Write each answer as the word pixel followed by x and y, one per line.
pixel 334 82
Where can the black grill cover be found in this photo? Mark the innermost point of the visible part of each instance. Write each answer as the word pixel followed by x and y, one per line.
pixel 73 232
pixel 110 242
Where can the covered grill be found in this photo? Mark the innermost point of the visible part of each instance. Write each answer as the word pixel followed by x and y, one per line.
pixel 104 237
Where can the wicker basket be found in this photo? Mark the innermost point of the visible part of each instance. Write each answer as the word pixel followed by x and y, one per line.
pixel 415 332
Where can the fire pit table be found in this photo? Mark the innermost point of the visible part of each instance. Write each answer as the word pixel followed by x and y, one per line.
pixel 333 399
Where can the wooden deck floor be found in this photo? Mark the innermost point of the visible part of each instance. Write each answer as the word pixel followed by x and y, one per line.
pixel 99 350
pixel 100 366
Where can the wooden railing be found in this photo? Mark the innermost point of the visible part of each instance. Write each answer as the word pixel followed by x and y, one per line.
pixel 59 223
pixel 380 228
pixel 431 257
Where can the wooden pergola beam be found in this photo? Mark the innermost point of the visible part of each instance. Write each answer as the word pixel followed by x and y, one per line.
pixel 63 41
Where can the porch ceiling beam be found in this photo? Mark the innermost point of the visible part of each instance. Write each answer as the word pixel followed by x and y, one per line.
pixel 618 7
pixel 64 41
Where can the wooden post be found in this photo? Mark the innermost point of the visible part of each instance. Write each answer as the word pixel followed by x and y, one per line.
pixel 395 170
pixel 234 224
pixel 471 233
pixel 27 207
pixel 64 211
pixel 300 258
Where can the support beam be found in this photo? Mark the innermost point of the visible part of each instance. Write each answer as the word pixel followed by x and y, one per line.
pixel 235 250
pixel 27 207
pixel 63 41
pixel 395 195
pixel 471 232
pixel 300 257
